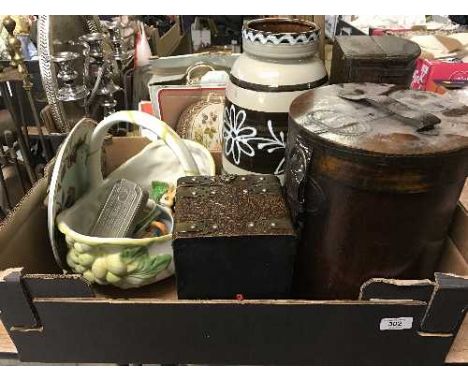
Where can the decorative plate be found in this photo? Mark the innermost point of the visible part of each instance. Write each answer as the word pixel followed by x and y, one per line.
pixel 203 122
pixel 69 181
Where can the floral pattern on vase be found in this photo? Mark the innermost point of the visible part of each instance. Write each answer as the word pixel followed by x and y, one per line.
pixel 237 136
pixel 261 140
pixel 279 63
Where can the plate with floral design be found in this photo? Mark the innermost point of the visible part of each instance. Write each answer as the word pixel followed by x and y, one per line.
pixel 69 181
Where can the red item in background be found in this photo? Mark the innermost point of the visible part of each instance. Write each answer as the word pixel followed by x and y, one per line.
pixel 429 72
pixel 142 48
pixel 146 106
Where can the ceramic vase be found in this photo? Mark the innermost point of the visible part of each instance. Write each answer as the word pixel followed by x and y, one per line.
pixel 278 64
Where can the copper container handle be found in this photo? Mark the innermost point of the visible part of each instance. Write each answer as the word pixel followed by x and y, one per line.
pixel 297 164
pixel 423 121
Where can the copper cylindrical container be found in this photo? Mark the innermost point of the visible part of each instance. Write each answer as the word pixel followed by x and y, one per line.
pixel 371 187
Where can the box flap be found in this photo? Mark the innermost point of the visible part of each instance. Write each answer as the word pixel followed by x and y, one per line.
pixel 15 305
pixel 447 305
pixel 388 289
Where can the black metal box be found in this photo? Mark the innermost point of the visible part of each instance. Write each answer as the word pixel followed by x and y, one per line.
pixel 379 59
pixel 232 236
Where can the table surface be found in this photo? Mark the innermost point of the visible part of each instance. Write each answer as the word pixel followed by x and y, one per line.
pixel 6 345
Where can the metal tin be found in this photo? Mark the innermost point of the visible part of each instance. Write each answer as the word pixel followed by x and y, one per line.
pixel 371 195
pixel 380 59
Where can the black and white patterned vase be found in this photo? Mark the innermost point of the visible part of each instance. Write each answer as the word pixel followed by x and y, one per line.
pixel 278 64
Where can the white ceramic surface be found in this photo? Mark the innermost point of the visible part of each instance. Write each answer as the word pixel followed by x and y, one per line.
pixel 275 68
pixel 69 179
pixel 124 262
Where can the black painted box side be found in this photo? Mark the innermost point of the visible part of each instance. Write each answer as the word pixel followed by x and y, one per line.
pixel 232 235
pixel 254 267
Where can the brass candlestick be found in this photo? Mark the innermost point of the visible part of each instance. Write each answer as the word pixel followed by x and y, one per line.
pixel 17 61
pixel 18 67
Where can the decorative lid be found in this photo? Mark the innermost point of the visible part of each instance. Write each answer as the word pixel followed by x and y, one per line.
pixel 230 205
pixel 382 119
pixel 378 47
pixel 276 31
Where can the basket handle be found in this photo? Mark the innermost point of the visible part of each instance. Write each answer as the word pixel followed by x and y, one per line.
pixel 145 121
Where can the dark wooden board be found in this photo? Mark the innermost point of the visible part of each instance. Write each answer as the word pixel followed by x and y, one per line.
pixel 268 333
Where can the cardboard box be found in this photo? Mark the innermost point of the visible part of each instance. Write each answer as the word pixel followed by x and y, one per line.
pixel 173 70
pixel 429 73
pixel 164 45
pixel 52 317
pixel 344 27
pixel 330 26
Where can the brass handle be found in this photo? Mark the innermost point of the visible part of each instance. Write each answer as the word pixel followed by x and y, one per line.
pixel 297 163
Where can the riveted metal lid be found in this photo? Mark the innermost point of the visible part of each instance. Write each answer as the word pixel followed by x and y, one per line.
pixel 230 205
pixel 382 120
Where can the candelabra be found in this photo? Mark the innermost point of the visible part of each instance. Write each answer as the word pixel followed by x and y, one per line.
pixel 71 90
pixel 97 77
pixel 121 55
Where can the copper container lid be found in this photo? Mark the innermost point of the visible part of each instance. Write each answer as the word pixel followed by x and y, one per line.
pixel 360 127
